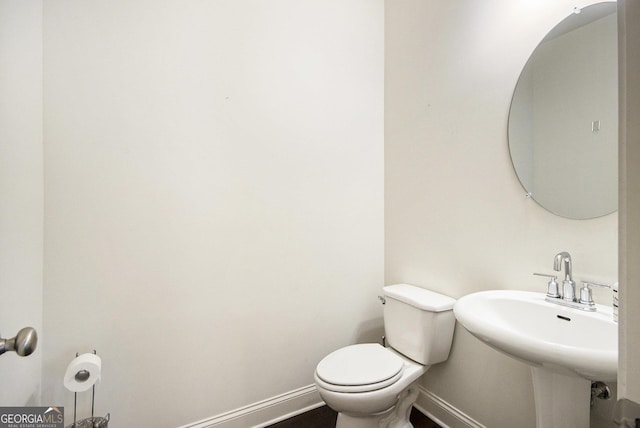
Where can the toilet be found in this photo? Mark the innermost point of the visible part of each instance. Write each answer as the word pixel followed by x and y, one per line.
pixel 373 386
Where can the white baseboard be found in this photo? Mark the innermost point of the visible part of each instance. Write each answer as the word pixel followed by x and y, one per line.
pixel 442 412
pixel 266 412
pixel 284 406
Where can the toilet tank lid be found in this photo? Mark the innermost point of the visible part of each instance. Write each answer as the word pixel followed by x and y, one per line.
pixel 419 297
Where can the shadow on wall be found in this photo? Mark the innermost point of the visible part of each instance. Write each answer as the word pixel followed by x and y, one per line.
pixel 370 331
pixel 602 410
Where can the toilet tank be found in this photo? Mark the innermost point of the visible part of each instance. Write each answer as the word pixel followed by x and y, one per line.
pixel 418 323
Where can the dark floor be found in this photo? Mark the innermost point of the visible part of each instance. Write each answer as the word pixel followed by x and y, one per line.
pixel 324 417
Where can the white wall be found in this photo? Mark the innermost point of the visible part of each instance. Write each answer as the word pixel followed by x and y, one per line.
pixel 21 187
pixel 214 197
pixel 456 218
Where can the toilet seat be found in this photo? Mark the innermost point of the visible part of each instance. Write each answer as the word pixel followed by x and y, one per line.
pixel 359 368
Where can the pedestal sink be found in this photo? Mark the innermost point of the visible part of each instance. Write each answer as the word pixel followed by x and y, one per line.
pixel 566 348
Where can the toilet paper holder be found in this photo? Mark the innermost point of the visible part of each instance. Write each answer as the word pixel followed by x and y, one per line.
pixel 92 422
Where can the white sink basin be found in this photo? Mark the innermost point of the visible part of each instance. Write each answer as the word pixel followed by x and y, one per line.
pixel 561 339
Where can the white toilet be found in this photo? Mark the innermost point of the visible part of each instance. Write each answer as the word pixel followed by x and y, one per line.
pixel 372 386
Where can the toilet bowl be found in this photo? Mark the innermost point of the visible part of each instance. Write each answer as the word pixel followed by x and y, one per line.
pixel 377 376
pixel 373 386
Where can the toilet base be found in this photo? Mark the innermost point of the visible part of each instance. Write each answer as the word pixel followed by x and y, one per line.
pixel 395 417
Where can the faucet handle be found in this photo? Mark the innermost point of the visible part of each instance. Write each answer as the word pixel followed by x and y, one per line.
pixel 552 285
pixel 596 284
pixel 585 292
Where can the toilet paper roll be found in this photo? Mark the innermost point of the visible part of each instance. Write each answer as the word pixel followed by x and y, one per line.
pixel 83 372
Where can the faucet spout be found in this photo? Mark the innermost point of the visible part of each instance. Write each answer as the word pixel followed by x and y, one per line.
pixel 557 264
pixel 568 286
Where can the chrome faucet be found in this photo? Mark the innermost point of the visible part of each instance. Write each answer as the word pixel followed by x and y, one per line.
pixel 568 286
pixel 568 296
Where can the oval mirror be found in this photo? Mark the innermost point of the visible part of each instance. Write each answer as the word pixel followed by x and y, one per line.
pixel 563 121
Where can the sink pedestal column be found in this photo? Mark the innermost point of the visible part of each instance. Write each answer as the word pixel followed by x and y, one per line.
pixel 561 401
